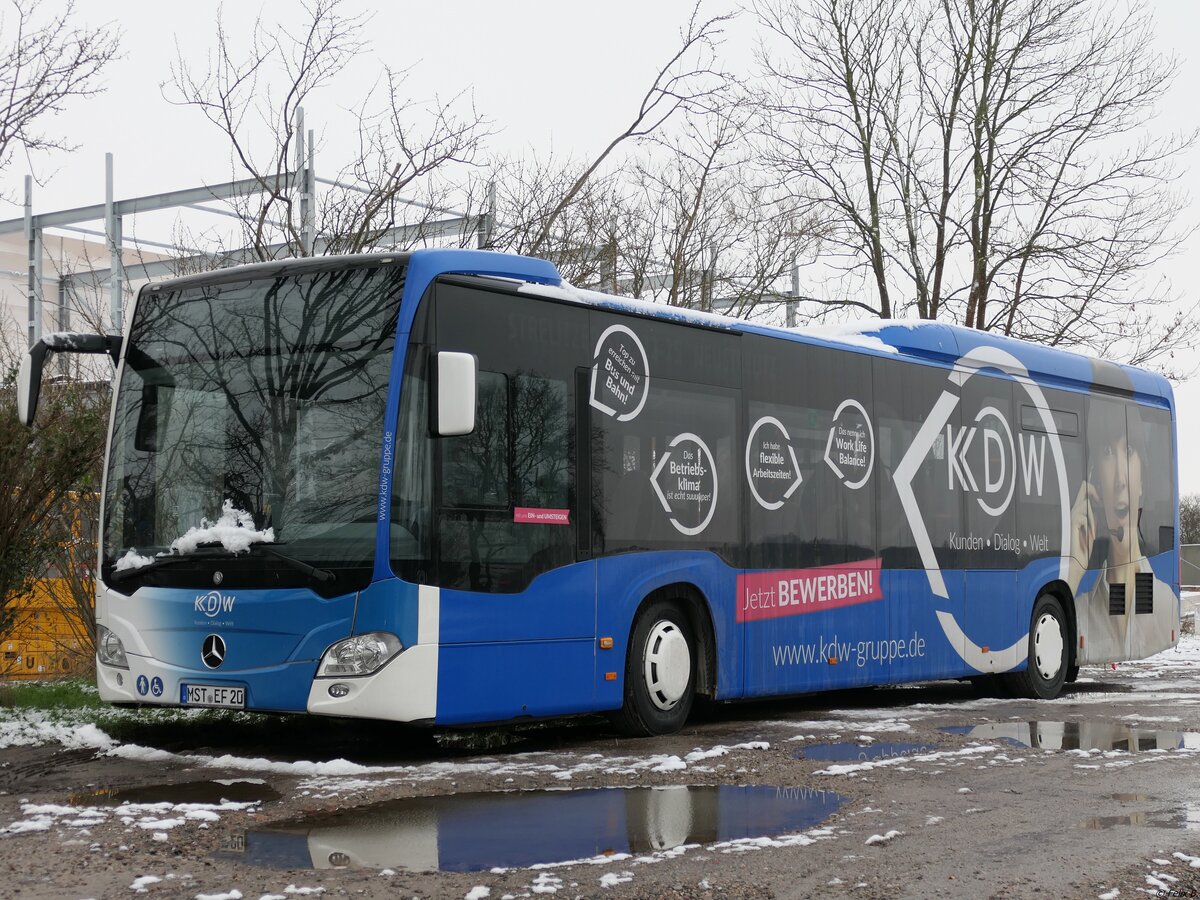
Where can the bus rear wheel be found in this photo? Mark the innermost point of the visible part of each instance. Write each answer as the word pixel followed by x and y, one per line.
pixel 1049 652
pixel 660 672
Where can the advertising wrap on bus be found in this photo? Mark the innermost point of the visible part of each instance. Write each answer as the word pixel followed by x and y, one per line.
pixel 649 503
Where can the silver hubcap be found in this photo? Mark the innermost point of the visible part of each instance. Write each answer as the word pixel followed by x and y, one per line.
pixel 667 664
pixel 1047 646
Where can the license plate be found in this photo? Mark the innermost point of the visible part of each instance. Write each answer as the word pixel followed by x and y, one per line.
pixel 234 844
pixel 219 695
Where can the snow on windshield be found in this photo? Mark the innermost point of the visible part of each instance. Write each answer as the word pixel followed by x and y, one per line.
pixel 132 560
pixel 234 531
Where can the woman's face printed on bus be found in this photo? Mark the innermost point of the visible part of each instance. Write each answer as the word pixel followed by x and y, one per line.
pixel 1117 477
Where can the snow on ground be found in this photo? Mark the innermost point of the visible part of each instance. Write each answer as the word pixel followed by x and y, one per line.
pixel 75 729
pixel 883 838
pixel 148 816
pixel 746 845
pixel 890 723
pixel 328 778
pixel 612 879
pixel 857 768
pixel 35 727
pixel 141 884
pixel 545 883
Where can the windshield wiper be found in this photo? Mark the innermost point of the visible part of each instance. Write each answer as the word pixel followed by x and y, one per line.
pixel 324 576
pixel 161 561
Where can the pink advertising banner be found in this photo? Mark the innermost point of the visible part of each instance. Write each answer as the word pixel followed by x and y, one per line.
pixel 793 592
pixel 536 516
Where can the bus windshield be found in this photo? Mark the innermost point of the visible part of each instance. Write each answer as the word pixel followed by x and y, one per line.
pixel 267 394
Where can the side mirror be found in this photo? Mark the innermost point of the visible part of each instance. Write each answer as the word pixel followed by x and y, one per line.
pixel 456 380
pixel 29 383
pixel 29 375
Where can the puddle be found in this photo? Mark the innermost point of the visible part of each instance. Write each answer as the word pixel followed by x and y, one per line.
pixel 1078 736
pixel 237 790
pixel 850 752
pixel 1130 798
pixel 476 832
pixel 1184 819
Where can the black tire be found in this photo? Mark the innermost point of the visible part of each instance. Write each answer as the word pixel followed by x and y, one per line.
pixel 656 700
pixel 1049 653
pixel 1072 674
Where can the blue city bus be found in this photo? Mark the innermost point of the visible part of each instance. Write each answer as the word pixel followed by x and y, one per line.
pixel 445 487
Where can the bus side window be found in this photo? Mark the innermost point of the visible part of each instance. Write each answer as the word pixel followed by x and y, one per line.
pixel 1157 511
pixel 475 466
pixel 506 507
pixel 412 485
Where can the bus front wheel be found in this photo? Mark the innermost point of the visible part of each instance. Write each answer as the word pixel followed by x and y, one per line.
pixel 660 672
pixel 1049 652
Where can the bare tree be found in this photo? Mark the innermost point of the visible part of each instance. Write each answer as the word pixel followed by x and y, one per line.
pixel 687 221
pixel 45 61
pixel 689 81
pixel 516 196
pixel 827 96
pixel 711 232
pixel 39 468
pixel 1189 527
pixel 986 162
pixel 72 589
pixel 253 98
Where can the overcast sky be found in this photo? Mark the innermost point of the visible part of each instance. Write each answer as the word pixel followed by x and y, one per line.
pixel 548 74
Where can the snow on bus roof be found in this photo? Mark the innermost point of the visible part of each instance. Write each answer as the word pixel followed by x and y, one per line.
pixel 570 293
pixel 858 334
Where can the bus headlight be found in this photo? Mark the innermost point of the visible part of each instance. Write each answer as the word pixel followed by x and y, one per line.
pixel 109 648
pixel 359 655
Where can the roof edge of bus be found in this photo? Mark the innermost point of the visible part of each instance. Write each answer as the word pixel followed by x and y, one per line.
pixel 1052 366
pixel 427 262
pixel 273 267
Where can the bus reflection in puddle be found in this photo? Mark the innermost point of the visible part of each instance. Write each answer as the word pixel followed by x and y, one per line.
pixel 476 832
pixel 1102 736
pixel 1184 818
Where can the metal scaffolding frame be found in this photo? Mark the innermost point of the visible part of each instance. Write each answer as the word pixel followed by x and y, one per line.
pixel 301 182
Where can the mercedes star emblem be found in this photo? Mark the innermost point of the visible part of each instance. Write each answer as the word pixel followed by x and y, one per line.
pixel 212 652
pixel 218 577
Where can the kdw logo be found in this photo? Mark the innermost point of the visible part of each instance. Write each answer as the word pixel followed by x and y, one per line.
pixel 214 603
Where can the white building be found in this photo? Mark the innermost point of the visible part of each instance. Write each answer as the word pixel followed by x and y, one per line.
pixel 76 286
